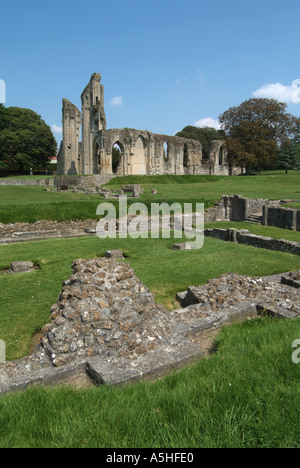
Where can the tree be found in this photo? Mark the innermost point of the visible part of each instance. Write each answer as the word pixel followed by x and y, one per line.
pixel 287 158
pixel 25 139
pixel 205 135
pixel 256 130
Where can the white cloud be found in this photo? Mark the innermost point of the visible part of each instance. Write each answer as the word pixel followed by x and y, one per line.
pixel 56 129
pixel 280 92
pixel 208 122
pixel 116 101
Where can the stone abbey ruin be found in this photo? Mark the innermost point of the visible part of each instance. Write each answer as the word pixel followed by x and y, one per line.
pixel 106 326
pixel 141 152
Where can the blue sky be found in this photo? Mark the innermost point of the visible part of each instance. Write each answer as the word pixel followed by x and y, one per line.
pixel 164 64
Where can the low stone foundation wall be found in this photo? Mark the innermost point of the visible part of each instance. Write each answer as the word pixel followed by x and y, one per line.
pixel 284 218
pixel 83 182
pixel 236 208
pixel 244 237
pixel 22 232
pixel 29 182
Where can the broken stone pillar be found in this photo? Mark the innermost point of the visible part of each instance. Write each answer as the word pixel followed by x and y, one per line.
pixel 232 235
pixel 137 190
pixel 265 215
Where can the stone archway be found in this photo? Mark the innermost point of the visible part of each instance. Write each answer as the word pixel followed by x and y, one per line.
pixel 117 158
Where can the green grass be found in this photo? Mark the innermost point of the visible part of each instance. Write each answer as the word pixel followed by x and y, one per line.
pixel 272 185
pixel 164 180
pixel 30 204
pixel 246 395
pixel 26 299
pixel 294 205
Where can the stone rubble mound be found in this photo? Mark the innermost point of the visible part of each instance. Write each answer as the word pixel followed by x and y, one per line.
pixel 104 310
pixel 231 289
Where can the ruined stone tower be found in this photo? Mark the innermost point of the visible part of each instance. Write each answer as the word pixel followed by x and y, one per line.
pixel 93 124
pixel 69 161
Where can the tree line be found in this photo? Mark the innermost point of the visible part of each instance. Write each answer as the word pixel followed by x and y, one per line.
pixel 259 134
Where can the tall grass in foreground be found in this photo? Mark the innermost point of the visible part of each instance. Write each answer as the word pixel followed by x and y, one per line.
pixel 245 395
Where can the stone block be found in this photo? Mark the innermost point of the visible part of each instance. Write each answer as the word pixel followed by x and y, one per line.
pixel 291 279
pixel 182 247
pixel 21 267
pixel 114 254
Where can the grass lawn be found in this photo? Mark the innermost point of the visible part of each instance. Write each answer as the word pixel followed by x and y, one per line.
pixel 294 205
pixel 30 204
pixel 246 395
pixel 270 185
pixel 26 299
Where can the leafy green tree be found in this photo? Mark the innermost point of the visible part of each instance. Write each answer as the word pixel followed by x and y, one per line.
pixel 205 135
pixel 256 129
pixel 25 139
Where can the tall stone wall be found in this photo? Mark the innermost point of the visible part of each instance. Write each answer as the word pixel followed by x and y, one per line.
pixel 143 152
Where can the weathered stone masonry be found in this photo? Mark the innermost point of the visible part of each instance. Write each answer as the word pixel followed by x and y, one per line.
pixel 142 152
